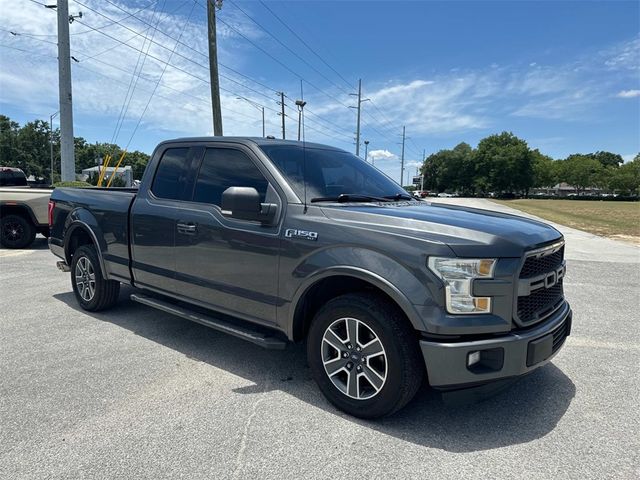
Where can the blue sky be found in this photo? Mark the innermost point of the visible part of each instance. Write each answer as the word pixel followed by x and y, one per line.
pixel 565 76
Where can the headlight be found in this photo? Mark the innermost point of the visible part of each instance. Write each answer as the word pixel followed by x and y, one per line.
pixel 457 274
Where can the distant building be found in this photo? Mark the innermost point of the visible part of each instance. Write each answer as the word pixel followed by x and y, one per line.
pixel 125 173
pixel 563 189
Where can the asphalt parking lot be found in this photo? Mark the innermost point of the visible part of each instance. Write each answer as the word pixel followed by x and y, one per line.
pixel 137 393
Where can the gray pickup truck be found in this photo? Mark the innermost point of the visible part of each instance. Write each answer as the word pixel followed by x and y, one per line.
pixel 277 241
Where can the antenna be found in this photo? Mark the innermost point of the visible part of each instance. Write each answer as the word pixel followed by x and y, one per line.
pixel 300 104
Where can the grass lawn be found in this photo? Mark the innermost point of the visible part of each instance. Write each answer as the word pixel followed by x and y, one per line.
pixel 612 219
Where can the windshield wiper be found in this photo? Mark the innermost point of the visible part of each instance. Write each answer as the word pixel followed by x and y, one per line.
pixel 350 197
pixel 399 196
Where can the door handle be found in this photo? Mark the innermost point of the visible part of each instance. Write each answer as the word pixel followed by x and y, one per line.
pixel 187 228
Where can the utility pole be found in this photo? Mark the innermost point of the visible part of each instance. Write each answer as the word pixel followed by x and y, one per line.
pixel 51 117
pixel 67 156
pixel 422 170
pixel 282 114
pixel 402 157
pixel 366 150
pixel 359 107
pixel 212 5
pixel 300 104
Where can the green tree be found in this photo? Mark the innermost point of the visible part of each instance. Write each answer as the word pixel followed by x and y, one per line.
pixel 581 171
pixel 138 161
pixel 28 148
pixel 545 171
pixel 608 159
pixel 503 164
pixel 9 150
pixel 451 170
pixel 626 179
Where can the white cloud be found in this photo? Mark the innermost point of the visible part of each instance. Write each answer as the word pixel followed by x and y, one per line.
pixel 445 104
pixel 29 80
pixel 625 55
pixel 382 155
pixel 628 94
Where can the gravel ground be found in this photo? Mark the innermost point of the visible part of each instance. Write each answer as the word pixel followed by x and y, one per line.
pixel 137 393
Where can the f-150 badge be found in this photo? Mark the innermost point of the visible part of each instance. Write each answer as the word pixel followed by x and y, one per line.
pixel 303 234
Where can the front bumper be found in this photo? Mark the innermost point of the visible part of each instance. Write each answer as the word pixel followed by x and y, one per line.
pixel 511 355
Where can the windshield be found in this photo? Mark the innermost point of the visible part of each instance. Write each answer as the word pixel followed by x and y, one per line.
pixel 330 173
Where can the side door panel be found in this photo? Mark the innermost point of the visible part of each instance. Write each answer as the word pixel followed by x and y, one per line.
pixel 154 216
pixel 226 264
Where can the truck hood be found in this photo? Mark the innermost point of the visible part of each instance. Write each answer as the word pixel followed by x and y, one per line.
pixel 469 232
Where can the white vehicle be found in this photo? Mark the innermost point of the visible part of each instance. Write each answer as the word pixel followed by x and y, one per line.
pixel 23 210
pixel 445 195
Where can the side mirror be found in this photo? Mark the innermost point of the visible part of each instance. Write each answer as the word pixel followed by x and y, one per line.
pixel 243 203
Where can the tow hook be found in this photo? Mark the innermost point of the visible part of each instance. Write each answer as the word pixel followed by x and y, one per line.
pixel 63 267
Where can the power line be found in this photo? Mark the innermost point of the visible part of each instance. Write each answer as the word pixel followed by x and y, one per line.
pixel 124 84
pixel 183 56
pixel 92 58
pixel 200 53
pixel 306 44
pixel 288 48
pixel 101 26
pixel 135 77
pixel 159 79
pixel 28 35
pixel 279 62
pixel 196 51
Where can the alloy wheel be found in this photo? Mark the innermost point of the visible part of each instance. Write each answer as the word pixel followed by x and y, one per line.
pixel 12 231
pixel 354 358
pixel 85 279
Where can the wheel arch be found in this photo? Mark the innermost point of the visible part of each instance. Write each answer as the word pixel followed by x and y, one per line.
pixel 18 208
pixel 77 234
pixel 332 282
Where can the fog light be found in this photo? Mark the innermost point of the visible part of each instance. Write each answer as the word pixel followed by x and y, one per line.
pixel 473 358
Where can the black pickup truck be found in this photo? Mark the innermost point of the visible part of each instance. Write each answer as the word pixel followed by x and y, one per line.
pixel 277 241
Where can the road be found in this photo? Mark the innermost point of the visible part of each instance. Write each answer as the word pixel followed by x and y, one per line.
pixel 135 393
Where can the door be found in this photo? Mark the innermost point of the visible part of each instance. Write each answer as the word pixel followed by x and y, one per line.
pixel 227 264
pixel 154 216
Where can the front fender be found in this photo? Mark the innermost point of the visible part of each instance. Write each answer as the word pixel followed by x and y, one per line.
pixel 408 287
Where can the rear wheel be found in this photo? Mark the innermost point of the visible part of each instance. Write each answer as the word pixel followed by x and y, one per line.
pixel 92 291
pixel 364 355
pixel 16 231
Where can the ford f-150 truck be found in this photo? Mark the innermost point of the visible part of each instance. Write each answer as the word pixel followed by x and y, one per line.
pixel 278 241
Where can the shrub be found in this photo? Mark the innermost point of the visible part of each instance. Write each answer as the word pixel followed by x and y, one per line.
pixel 73 184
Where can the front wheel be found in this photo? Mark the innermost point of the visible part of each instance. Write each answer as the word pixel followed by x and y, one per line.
pixel 92 291
pixel 364 355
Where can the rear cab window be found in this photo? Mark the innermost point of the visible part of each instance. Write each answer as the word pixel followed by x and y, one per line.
pixel 171 178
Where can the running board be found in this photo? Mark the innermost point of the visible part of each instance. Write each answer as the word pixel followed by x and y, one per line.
pixel 253 336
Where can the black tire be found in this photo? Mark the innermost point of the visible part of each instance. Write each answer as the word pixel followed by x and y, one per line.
pixel 92 291
pixel 16 231
pixel 401 358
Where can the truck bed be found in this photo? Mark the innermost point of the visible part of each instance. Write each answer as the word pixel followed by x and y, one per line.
pixel 106 212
